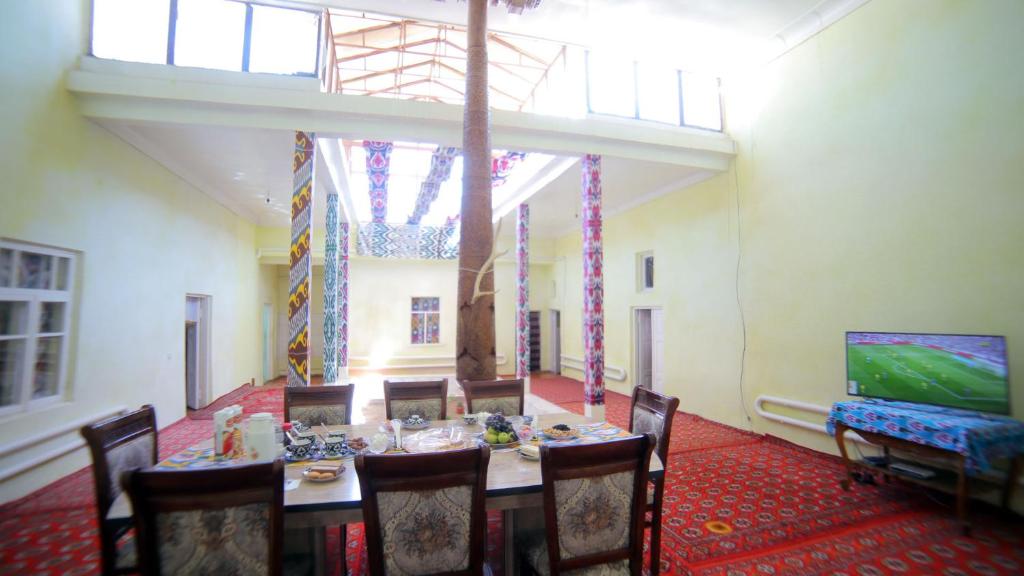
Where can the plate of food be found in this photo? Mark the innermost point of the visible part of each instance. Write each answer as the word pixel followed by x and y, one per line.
pixel 499 432
pixel 560 432
pixel 357 444
pixel 436 440
pixel 321 473
pixel 529 452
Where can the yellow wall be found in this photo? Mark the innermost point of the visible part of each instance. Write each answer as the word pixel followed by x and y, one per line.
pixel 692 236
pixel 380 291
pixel 145 237
pixel 879 185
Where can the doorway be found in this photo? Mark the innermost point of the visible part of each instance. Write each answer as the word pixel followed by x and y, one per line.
pixel 534 341
pixel 556 342
pixel 649 348
pixel 268 342
pixel 197 352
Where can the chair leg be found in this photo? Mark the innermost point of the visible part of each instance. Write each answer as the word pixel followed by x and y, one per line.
pixel 343 538
pixel 656 534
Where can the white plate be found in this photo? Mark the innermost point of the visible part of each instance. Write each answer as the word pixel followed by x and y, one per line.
pixel 305 474
pixel 530 458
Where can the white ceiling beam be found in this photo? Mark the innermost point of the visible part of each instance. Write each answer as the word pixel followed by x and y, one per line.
pixel 157 93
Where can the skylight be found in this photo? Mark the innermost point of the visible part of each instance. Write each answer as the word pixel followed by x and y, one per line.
pixel 409 166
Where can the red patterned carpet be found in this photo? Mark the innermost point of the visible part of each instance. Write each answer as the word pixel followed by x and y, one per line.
pixel 782 504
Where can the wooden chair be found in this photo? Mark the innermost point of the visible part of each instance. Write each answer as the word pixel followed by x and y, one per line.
pixel 594 499
pixel 426 510
pixel 427 398
pixel 214 521
pixel 313 406
pixel 653 413
pixel 505 396
pixel 331 405
pixel 119 444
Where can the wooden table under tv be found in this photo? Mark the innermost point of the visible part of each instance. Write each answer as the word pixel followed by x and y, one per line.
pixel 513 483
pixel 957 482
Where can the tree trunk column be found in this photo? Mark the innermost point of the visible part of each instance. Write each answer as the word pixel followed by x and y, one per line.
pixel 593 289
pixel 523 292
pixel 300 267
pixel 343 238
pixel 475 354
pixel 331 291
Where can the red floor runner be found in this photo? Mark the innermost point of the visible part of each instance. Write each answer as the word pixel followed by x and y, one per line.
pixel 781 503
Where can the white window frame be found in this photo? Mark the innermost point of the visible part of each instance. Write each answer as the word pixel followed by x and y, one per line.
pixel 641 271
pixel 424 314
pixel 35 298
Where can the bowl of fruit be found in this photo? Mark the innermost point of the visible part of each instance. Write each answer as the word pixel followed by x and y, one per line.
pixel 499 432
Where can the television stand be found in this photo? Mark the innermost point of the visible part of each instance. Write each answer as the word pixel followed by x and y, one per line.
pixel 955 481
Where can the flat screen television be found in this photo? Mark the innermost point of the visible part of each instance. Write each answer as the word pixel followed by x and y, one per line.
pixel 960 371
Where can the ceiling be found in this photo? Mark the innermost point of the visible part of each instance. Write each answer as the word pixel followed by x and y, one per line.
pixel 243 168
pixel 707 35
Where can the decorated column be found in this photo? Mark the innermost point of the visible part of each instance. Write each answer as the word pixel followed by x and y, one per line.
pixel 593 289
pixel 523 292
pixel 300 267
pixel 343 233
pixel 331 290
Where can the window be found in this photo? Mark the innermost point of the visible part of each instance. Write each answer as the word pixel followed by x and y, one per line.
pixel 644 271
pixel 35 316
pixel 645 91
pixel 426 320
pixel 220 34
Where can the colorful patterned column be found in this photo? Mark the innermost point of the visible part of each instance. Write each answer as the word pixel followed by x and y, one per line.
pixel 593 288
pixel 300 267
pixel 343 233
pixel 378 164
pixel 331 291
pixel 523 291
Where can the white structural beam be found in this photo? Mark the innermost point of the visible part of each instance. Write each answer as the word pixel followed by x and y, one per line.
pixel 158 93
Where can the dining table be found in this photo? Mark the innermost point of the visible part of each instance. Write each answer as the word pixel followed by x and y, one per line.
pixel 513 482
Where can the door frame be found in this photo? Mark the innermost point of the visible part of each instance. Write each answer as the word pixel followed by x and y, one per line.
pixel 555 344
pixel 204 351
pixel 634 356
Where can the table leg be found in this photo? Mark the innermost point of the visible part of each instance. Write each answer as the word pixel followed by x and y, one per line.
pixel 840 432
pixel 961 496
pixel 319 551
pixel 888 460
pixel 1011 481
pixel 508 524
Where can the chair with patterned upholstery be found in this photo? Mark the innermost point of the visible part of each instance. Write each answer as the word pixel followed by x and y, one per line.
pixel 427 398
pixel 225 521
pixel 330 405
pixel 119 444
pixel 653 413
pixel 594 497
pixel 424 513
pixel 505 396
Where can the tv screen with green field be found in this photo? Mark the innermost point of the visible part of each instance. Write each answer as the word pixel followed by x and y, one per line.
pixel 944 369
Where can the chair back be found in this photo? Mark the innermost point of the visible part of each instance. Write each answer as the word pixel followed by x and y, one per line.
pixel 424 513
pixel 331 405
pixel 118 444
pixel 653 413
pixel 594 499
pixel 215 521
pixel 427 398
pixel 505 396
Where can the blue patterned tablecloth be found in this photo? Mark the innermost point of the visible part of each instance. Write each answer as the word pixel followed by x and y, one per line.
pixel 980 437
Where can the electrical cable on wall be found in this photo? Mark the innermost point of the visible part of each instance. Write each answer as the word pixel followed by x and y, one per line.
pixel 739 302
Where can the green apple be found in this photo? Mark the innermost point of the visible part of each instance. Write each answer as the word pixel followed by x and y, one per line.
pixel 490 437
pixel 504 438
